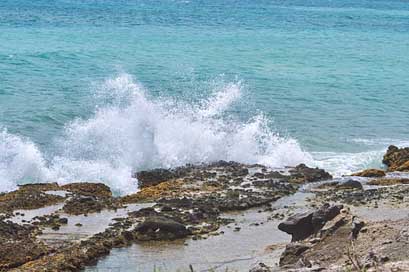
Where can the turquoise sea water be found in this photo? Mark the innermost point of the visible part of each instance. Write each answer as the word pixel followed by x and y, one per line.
pixel 93 90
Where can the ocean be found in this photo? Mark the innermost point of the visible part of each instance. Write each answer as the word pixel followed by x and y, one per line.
pixel 96 90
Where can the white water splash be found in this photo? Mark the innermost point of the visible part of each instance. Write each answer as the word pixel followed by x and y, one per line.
pixel 339 164
pixel 133 132
pixel 20 161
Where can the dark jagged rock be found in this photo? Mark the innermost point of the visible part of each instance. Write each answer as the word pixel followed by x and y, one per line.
pixel 303 225
pixel 350 184
pixel 397 159
pixel 154 177
pixel 299 226
pixel 302 174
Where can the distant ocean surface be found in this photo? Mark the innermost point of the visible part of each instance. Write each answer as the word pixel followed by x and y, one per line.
pixel 94 90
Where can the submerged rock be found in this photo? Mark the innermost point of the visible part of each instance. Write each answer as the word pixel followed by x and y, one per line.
pixel 158 227
pixel 397 159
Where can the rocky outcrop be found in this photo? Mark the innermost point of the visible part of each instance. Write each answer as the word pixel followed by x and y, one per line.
pixel 304 174
pixel 326 248
pixel 370 173
pixel 351 246
pixel 302 226
pixel 397 159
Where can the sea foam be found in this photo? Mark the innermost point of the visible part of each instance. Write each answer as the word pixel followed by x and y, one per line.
pixel 132 131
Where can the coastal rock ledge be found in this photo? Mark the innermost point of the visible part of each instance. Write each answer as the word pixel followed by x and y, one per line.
pixel 190 202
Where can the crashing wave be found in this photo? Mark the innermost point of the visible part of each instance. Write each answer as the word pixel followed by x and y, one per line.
pixel 133 131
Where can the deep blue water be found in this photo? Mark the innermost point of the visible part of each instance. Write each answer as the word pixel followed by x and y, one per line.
pixel 329 77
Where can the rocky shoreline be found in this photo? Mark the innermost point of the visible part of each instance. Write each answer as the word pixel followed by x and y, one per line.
pixel 353 223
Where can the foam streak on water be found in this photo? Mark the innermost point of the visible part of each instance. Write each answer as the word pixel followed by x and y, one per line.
pixel 133 131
